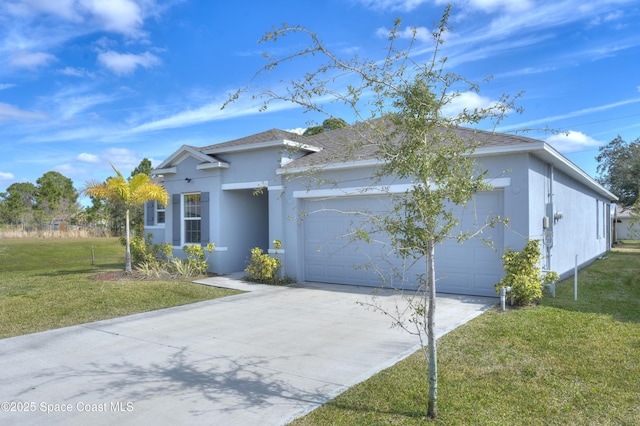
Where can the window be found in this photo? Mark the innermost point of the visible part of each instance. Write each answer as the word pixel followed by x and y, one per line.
pixel 597 219
pixel 160 210
pixel 192 218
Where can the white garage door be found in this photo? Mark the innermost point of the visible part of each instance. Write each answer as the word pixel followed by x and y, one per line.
pixel 332 256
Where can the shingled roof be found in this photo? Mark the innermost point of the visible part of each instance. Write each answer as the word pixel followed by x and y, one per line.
pixel 258 138
pixel 338 145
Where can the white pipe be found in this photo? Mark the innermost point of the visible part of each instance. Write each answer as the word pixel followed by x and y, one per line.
pixel 551 286
pixel 575 280
pixel 503 296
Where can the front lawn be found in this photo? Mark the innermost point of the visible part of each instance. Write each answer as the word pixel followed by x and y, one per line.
pixel 559 363
pixel 52 283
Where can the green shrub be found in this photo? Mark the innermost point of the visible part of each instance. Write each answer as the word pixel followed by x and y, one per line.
pixel 523 274
pixel 158 261
pixel 195 264
pixel 263 268
pixel 143 251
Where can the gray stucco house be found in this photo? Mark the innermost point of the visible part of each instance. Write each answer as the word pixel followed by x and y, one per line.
pixel 248 192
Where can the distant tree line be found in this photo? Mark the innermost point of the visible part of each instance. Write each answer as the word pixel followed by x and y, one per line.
pixel 52 204
pixel 619 170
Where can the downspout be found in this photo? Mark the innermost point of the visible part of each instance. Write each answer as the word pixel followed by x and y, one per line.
pixel 548 225
pixel 549 222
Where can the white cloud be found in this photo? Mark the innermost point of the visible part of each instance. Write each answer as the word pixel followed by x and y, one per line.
pixel 73 101
pixel 122 16
pixel 571 141
pixel 297 130
pixel 6 176
pixel 99 166
pixel 9 113
pixel 402 5
pixel 126 63
pixel 6 86
pixel 207 113
pixel 467 100
pixel 70 170
pixel 586 111
pixel 491 6
pixel 30 60
pixel 75 72
pixel 484 5
pixel 123 159
pixel 62 8
pixel 88 158
pixel 421 33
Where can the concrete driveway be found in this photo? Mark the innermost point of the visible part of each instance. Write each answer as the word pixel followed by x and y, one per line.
pixel 259 358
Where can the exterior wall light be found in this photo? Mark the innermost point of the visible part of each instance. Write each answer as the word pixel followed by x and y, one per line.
pixel 557 216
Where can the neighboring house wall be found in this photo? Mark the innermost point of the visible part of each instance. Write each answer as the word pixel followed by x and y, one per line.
pixel 626 227
pixel 625 230
pixel 155 221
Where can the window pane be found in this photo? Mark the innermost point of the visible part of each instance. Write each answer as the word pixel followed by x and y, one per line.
pixel 160 216
pixel 192 205
pixel 191 231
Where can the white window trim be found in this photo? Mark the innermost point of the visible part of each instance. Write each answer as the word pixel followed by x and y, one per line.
pixel 155 212
pixel 183 220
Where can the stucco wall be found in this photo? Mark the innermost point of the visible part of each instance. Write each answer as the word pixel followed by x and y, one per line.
pixel 515 196
pixel 245 224
pixel 240 220
pixel 526 203
pixel 519 207
pixel 583 229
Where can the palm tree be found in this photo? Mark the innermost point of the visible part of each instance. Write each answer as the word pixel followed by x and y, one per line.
pixel 138 190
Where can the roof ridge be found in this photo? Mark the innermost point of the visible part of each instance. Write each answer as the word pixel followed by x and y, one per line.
pixel 264 136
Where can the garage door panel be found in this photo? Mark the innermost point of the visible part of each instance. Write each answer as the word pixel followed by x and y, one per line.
pixel 470 267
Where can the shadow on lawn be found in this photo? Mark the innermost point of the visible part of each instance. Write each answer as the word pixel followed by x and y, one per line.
pixel 397 416
pixel 103 267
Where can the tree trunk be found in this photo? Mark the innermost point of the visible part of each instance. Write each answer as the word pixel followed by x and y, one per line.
pixel 127 261
pixel 432 409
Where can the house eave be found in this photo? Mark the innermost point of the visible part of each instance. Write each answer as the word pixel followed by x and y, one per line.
pixel 263 145
pixel 169 166
pixel 331 166
pixel 213 165
pixel 549 154
pixel 542 150
pixel 166 171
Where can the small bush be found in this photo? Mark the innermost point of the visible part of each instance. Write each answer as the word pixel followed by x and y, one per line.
pixel 523 274
pixel 195 264
pixel 158 261
pixel 263 268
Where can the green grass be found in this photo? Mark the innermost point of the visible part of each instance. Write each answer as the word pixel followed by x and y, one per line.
pixel 47 284
pixel 559 363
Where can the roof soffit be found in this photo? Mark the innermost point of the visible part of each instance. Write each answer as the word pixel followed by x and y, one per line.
pixel 186 151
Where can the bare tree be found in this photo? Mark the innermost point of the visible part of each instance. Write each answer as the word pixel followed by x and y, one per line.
pixel 399 102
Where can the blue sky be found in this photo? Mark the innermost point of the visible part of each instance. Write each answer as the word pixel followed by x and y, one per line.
pixel 88 82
